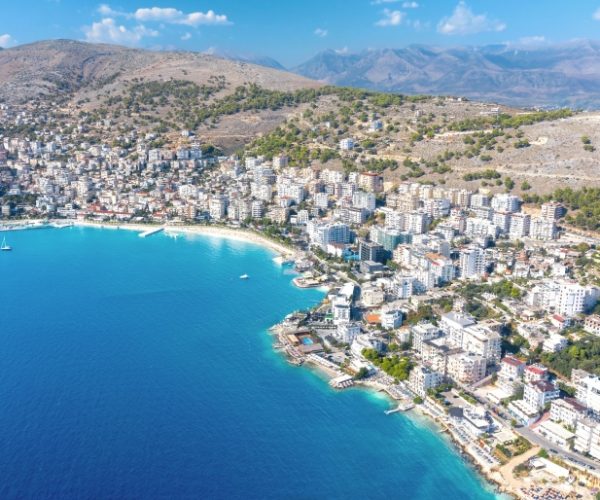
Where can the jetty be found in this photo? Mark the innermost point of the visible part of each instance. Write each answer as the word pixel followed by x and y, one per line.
pixel 341 382
pixel 403 406
pixel 150 232
pixel 61 225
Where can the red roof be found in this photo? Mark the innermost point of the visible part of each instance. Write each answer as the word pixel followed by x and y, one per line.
pixel 509 360
pixel 536 369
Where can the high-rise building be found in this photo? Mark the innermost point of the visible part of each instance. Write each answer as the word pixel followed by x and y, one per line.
pixel 519 226
pixel 371 182
pixel 371 251
pixel 552 211
pixel 472 262
pixel 505 202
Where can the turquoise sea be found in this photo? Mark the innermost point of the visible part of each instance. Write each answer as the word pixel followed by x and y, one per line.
pixel 141 368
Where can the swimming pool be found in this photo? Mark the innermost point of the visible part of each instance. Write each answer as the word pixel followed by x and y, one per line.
pixel 307 341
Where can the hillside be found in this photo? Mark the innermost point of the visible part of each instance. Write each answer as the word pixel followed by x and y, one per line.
pixel 82 77
pixel 59 66
pixel 546 75
pixel 110 92
pixel 446 141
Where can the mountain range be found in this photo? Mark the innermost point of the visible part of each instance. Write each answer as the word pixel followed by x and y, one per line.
pixel 544 75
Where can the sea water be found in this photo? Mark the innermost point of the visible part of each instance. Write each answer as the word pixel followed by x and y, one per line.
pixel 142 368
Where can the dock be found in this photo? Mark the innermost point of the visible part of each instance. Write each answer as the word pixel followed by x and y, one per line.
pixel 150 232
pixel 61 225
pixel 342 382
pixel 403 406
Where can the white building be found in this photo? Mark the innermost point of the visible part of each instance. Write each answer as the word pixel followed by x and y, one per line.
pixel 587 437
pixel 423 332
pixel 347 331
pixel 347 144
pixel 481 340
pixel 321 234
pixel 341 309
pixel 362 199
pixel 365 341
pixel 322 200
pixel 402 286
pixel 519 226
pixel 574 299
pixel 555 433
pixel 567 411
pixel 543 229
pixel 554 343
pixel 218 207
pixel 537 394
pixel 505 202
pixel 391 318
pixel 453 323
pixel 510 374
pixel 592 324
pixel 421 379
pixel 472 262
pixel 466 368
pixel 552 211
pixel 588 393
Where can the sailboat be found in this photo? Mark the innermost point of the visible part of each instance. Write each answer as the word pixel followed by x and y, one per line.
pixel 5 247
pixel 244 277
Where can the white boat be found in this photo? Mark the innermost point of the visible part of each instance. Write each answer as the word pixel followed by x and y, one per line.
pixel 5 247
pixel 244 277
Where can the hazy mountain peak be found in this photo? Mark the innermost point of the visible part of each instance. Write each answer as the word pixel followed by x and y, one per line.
pixel 529 72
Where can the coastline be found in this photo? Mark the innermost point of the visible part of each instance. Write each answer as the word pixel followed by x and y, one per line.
pixel 237 234
pixel 492 479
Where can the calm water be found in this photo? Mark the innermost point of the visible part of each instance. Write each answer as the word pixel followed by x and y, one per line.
pixel 140 368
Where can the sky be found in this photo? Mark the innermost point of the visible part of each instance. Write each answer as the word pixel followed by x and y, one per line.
pixel 292 31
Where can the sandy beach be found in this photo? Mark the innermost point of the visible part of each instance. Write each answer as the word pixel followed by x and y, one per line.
pixel 246 235
pixel 240 234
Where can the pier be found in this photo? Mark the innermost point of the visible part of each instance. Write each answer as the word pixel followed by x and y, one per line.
pixel 403 406
pixel 150 232
pixel 342 382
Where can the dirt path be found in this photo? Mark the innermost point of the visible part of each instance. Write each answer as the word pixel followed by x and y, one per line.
pixel 512 483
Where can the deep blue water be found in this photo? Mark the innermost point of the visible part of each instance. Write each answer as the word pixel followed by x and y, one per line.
pixel 141 368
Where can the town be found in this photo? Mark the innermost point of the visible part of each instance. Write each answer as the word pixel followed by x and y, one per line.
pixel 472 307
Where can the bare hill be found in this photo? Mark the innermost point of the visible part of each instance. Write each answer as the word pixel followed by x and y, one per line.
pixel 64 66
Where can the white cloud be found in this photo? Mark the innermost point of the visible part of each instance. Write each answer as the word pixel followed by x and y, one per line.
pixel 107 31
pixel 322 33
pixel 168 15
pixel 105 10
pixel 596 14
pixel 391 18
pixel 464 22
pixel 186 36
pixel 6 41
pixel 410 5
pixel 343 50
pixel 175 16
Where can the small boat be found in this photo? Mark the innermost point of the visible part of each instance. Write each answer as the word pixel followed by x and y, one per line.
pixel 5 247
pixel 244 277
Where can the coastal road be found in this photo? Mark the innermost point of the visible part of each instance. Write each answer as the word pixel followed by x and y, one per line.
pixel 535 438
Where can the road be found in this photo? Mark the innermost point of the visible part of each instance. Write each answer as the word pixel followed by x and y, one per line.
pixel 535 438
